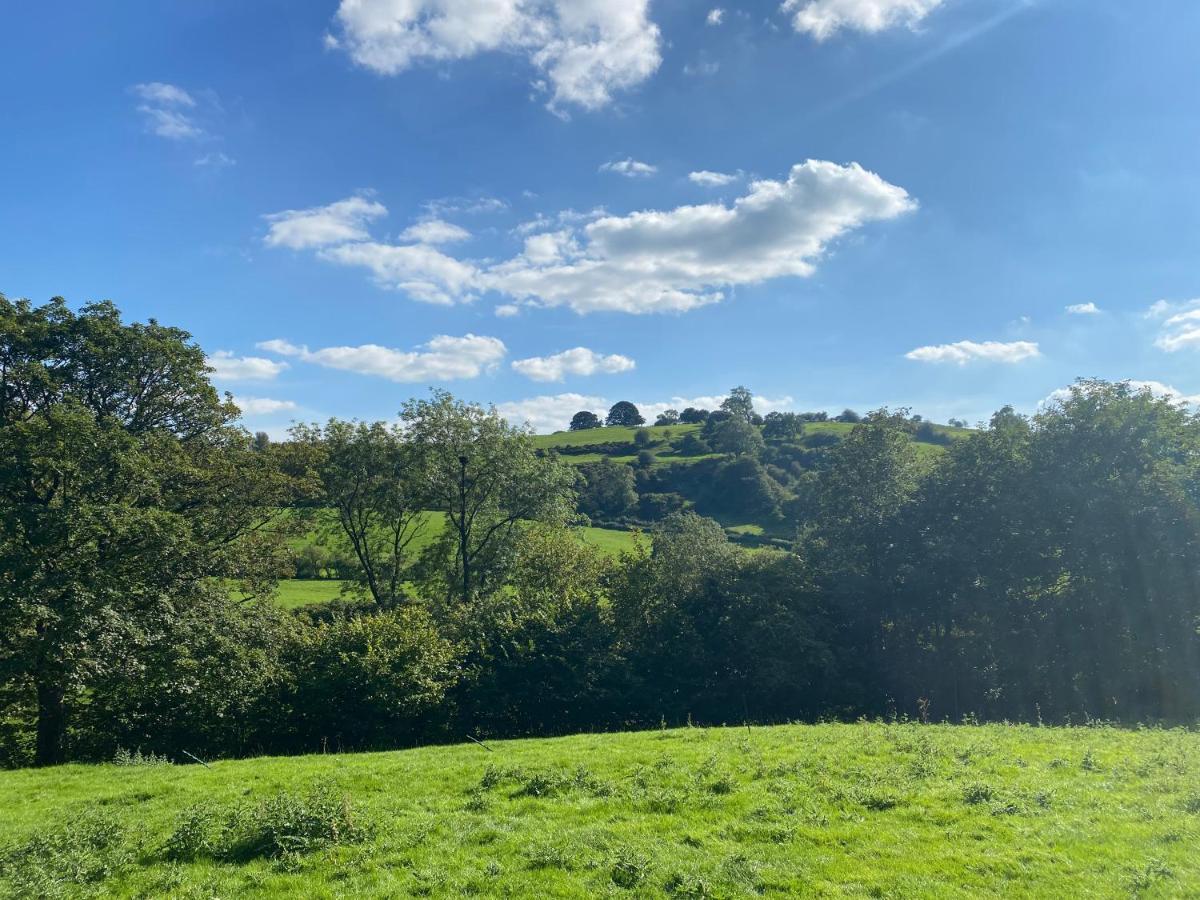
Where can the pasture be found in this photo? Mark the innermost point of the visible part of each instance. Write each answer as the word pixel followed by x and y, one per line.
pixel 853 810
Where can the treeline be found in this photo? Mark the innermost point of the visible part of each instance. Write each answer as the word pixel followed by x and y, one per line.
pixel 1039 568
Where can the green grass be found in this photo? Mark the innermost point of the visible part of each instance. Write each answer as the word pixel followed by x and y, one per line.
pixel 294 592
pixel 592 436
pixel 863 810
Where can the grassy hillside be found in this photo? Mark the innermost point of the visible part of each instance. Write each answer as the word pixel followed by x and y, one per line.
pixel 822 811
pixel 296 592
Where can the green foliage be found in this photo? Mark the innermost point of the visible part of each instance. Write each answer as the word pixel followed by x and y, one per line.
pixel 375 482
pixel 584 420
pixel 68 860
pixel 369 681
pixel 607 490
pixel 488 478
pixel 624 414
pixel 283 825
pixel 124 490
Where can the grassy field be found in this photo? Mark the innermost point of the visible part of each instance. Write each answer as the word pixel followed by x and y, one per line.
pixel 295 592
pixel 865 810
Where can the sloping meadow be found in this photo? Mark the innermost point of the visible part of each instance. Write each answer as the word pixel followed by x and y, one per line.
pixel 830 810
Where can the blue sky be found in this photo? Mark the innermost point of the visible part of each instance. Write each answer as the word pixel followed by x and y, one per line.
pixel 554 204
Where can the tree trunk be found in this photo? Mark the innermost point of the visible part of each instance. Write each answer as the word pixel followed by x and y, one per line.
pixel 51 725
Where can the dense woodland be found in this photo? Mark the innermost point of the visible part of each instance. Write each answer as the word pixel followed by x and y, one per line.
pixel 1041 568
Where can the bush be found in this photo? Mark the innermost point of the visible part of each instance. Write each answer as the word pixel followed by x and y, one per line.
pixel 67 861
pixel 281 825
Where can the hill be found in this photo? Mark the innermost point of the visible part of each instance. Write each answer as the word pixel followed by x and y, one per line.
pixel 867 810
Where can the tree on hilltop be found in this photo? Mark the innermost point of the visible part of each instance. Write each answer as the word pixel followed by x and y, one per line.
pixel 624 414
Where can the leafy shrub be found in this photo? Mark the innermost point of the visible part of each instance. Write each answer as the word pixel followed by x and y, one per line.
pixel 124 757
pixel 977 793
pixel 278 827
pixel 629 869
pixel 67 861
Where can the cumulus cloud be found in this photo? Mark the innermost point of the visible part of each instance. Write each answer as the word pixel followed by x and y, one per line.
pixel 711 179
pixel 1180 325
pixel 227 367
pixel 585 52
pixel 262 406
pixel 421 271
pixel 435 231
pixel 715 16
pixel 1083 309
pixel 630 168
pixel 644 262
pixel 318 226
pixel 553 412
pixel 963 352
pixel 507 310
pixel 824 18
pixel 442 359
pixel 680 259
pixel 546 414
pixel 165 110
pixel 577 361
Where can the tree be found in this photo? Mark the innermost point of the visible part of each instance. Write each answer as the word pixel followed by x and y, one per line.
pixel 693 416
pixel 608 489
pixel 624 414
pixel 488 477
pixel 849 416
pixel 782 426
pixel 372 479
pixel 668 417
pixel 584 421
pixel 736 435
pixel 642 439
pixel 739 404
pixel 262 441
pixel 126 497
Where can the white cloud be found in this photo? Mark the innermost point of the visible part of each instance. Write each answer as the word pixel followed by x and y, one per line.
pixel 715 16
pixel 706 67
pixel 964 352
pixel 443 358
pixel 630 168
pixel 585 50
pixel 163 94
pixel 435 231
pixel 216 160
pixel 421 271
pixel 550 413
pixel 318 226
pixel 577 361
pixel 824 18
pixel 262 406
pixel 1180 329
pixel 227 367
pixel 644 262
pixel 711 179
pixel 163 107
pixel 1083 309
pixel 677 260
pixel 553 412
pixel 507 310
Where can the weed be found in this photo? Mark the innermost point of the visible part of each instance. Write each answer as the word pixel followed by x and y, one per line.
pixel 688 884
pixel 1154 871
pixel 69 861
pixel 978 792
pixel 124 757
pixel 281 826
pixel 629 868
